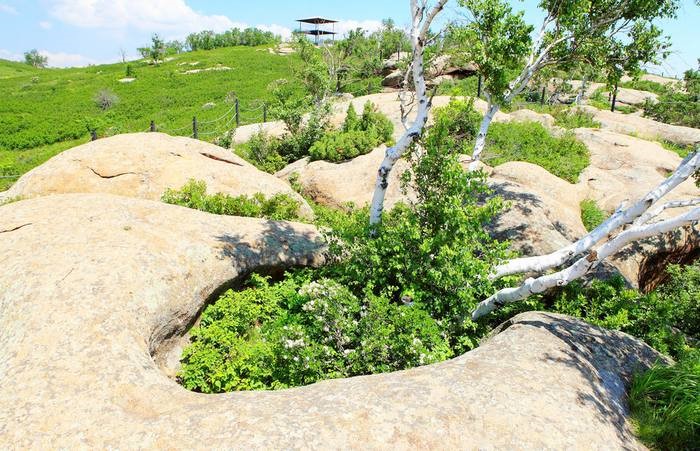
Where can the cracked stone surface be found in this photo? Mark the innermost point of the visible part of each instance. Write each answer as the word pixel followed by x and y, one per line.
pixel 95 285
pixel 144 165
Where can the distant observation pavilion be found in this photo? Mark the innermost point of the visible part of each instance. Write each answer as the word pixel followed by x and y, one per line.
pixel 316 30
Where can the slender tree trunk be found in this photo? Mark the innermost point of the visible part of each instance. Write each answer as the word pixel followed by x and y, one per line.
pixel 481 137
pixel 419 31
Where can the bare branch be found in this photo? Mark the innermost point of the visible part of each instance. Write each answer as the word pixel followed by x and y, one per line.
pixel 688 167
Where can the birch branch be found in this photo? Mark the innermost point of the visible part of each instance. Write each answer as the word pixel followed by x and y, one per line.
pixel 583 265
pixel 419 29
pixel 687 168
pixel 658 209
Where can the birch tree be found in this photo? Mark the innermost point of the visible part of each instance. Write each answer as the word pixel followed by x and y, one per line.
pixel 628 224
pixel 618 35
pixel 422 16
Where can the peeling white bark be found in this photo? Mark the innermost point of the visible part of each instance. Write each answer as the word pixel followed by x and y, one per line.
pixel 621 217
pixel 481 137
pixel 419 31
pixel 583 265
pixel 635 217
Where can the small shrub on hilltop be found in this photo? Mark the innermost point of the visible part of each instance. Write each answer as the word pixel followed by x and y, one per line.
pixel 106 99
pixel 194 195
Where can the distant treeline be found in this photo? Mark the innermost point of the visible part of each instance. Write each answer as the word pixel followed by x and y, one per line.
pixel 207 40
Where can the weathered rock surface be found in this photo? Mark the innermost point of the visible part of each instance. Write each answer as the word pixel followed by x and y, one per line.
pixel 630 96
pixel 644 127
pixel 144 165
pixel 84 319
pixel 336 184
pixel 543 213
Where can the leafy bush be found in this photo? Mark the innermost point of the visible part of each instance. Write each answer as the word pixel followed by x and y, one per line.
pixel 575 118
pixel 456 125
pixel 563 156
pixel 358 136
pixel 667 319
pixel 665 404
pixel 591 215
pixel 194 195
pixel 340 146
pixel 394 301
pixel 675 108
pixel 646 85
pixel 263 151
pixel 106 99
pixel 681 150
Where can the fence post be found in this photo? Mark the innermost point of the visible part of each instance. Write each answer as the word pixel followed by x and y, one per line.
pixel 238 117
pixel 264 112
pixel 153 126
pixel 478 88
pixel 542 95
pixel 614 99
pixel 195 135
pixel 93 135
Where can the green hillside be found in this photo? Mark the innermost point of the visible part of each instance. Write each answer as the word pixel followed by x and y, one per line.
pixel 45 111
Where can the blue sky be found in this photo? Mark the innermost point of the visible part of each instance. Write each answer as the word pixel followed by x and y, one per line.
pixel 81 32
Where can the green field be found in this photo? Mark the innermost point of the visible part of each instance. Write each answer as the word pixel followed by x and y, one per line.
pixel 45 111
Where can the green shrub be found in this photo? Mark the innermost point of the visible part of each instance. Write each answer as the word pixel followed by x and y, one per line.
pixel 456 125
pixel 675 108
pixel 563 156
pixel 665 404
pixel 263 151
pixel 646 85
pixel 575 118
pixel 358 136
pixel 395 301
pixel 194 195
pixel 591 215
pixel 341 146
pixel 665 318
pixel 681 150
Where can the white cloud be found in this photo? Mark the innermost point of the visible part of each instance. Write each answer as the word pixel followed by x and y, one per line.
pixel 7 9
pixel 46 25
pixel 343 26
pixel 62 59
pixel 153 15
pixel 8 55
pixel 279 30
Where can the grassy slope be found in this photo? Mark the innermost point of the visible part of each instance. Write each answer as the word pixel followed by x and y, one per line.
pixel 45 111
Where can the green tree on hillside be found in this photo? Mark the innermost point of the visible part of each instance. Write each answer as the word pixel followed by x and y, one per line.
pixel 35 59
pixel 616 36
pixel 156 51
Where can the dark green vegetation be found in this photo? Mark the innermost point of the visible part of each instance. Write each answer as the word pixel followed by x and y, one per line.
pixel 358 136
pixel 665 404
pixel 646 85
pixel 395 301
pixel 564 157
pixel 574 118
pixel 591 215
pixel 678 108
pixel 680 149
pixel 531 142
pixel 194 195
pixel 208 40
pixel 314 138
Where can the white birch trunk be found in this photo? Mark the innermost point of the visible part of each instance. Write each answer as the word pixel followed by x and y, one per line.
pixel 583 265
pixel 419 30
pixel 481 137
pixel 621 217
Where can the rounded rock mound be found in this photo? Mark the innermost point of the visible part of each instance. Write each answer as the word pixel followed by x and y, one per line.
pixel 144 165
pixel 94 286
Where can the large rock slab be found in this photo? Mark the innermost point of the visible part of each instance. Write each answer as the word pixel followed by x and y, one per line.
pixel 93 288
pixel 644 127
pixel 542 212
pixel 144 165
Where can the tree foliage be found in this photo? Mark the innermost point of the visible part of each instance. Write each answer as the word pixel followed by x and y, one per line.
pixel 35 59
